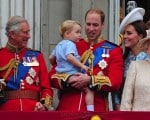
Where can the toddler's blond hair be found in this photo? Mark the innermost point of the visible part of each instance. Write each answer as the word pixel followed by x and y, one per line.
pixel 67 26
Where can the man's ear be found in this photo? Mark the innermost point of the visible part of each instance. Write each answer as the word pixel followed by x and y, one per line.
pixel 11 34
pixel 103 25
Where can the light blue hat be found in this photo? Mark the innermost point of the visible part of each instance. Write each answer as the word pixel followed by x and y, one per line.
pixel 134 15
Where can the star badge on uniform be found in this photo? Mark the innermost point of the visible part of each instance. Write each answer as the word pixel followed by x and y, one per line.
pixel 102 64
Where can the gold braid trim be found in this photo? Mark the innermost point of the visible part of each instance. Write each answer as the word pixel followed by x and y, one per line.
pixel 48 101
pixel 61 76
pixel 86 55
pixel 9 66
pixel 100 81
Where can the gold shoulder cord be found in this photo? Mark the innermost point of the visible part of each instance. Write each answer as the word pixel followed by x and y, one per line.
pixel 88 56
pixel 13 63
pixel 96 79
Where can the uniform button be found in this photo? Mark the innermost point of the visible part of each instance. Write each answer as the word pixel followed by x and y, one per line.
pixel 22 83
pixel 22 87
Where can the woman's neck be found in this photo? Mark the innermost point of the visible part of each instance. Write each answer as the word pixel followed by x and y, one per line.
pixel 135 51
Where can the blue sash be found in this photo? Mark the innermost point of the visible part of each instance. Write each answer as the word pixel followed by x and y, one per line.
pixel 99 51
pixel 22 71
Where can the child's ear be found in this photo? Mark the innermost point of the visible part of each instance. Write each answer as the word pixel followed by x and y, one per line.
pixel 67 32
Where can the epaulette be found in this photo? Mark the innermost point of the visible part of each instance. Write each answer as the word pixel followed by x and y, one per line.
pixel 112 43
pixel 34 50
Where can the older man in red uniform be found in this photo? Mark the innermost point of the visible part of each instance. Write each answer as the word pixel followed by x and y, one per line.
pixel 106 63
pixel 24 80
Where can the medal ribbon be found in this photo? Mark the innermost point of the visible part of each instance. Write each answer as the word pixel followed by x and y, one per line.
pixel 22 71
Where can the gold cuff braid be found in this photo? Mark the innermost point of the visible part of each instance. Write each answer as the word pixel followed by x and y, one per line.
pixel 100 81
pixel 47 102
pixel 61 76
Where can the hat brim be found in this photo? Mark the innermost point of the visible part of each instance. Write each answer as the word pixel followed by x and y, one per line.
pixel 135 15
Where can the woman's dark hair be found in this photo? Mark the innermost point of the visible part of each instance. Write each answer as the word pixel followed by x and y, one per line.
pixel 140 28
pixel 148 24
pixel 126 53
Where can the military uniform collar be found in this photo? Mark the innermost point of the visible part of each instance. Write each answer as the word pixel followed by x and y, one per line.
pixel 100 39
pixel 12 48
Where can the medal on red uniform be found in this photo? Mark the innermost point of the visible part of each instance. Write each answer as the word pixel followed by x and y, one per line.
pixel 30 78
pixel 102 63
pixel 30 61
pixel 105 53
